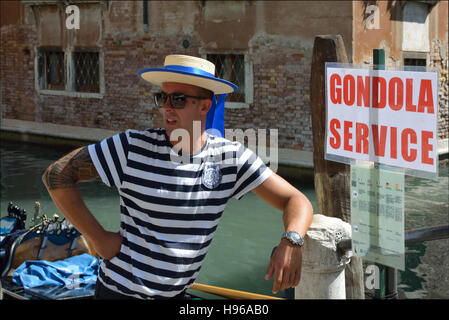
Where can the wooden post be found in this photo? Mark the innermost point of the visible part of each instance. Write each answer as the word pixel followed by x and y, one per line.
pixel 331 178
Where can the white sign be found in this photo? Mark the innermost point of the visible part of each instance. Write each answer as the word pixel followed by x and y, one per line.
pixel 389 117
pixel 377 215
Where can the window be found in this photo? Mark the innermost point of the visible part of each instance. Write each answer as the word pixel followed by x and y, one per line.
pixel 231 67
pixel 414 62
pixel 86 72
pixel 414 59
pixel 415 26
pixel 76 73
pixel 51 69
pixel 69 62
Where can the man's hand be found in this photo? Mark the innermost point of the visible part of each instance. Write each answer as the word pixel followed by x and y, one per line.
pixel 285 264
pixel 108 245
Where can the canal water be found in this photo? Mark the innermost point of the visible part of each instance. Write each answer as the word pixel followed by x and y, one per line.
pixel 249 230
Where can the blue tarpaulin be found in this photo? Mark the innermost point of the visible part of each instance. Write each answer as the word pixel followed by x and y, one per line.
pixel 72 272
pixel 7 225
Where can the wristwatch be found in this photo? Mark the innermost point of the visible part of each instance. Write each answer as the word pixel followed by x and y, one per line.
pixel 294 237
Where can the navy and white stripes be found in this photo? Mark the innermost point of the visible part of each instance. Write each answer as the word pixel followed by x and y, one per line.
pixel 168 214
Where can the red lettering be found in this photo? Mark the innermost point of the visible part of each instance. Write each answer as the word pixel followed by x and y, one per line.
pixel 395 90
pixel 336 140
pixel 425 96
pixel 347 136
pixel 379 99
pixel 349 91
pixel 363 91
pixel 409 106
pixel 349 85
pixel 406 136
pixel 426 147
pixel 335 92
pixel 408 140
pixel 361 137
pixel 394 142
pixel 379 144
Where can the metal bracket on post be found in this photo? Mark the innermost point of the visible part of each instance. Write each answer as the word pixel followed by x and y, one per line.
pixel 42 247
pixel 72 247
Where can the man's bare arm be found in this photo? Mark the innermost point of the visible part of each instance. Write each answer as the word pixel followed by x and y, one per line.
pixel 286 261
pixel 74 167
pixel 61 179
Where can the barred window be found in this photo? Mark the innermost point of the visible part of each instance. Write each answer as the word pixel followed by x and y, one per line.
pixel 231 67
pixel 51 69
pixel 86 71
pixel 54 66
pixel 414 62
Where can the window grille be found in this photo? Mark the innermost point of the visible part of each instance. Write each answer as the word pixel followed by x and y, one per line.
pixel 86 71
pixel 51 70
pixel 415 62
pixel 231 67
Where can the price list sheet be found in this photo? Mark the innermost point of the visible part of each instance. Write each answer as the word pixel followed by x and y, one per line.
pixel 377 215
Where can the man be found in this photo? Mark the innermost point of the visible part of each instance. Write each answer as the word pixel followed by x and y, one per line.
pixel 173 190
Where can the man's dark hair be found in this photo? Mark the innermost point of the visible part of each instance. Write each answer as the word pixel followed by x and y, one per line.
pixel 202 92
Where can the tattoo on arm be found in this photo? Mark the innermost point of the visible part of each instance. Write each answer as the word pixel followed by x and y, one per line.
pixel 74 167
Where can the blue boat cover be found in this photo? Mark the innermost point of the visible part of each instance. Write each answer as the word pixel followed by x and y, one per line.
pixel 7 225
pixel 71 273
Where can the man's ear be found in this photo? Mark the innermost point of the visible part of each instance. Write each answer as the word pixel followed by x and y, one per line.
pixel 205 105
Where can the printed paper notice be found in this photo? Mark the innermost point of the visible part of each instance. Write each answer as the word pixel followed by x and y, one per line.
pixel 384 116
pixel 377 215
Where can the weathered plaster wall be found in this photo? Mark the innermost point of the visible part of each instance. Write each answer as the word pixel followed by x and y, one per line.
pixel 390 37
pixel 276 36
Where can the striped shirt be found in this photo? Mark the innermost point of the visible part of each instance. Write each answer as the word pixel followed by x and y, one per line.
pixel 170 206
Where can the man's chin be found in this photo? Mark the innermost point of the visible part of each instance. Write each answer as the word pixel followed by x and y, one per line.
pixel 170 126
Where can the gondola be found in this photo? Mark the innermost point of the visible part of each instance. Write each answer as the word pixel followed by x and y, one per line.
pixel 46 241
pixel 54 243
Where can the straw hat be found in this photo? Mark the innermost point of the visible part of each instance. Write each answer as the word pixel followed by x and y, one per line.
pixel 189 70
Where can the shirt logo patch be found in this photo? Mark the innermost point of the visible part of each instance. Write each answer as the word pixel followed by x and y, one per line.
pixel 211 176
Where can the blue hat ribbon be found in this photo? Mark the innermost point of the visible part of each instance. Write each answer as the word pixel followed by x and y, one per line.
pixel 215 116
pixel 190 70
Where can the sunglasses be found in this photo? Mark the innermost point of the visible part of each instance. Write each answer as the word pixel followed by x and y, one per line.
pixel 177 100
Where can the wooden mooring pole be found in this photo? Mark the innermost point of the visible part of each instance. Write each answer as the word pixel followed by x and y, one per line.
pixel 331 178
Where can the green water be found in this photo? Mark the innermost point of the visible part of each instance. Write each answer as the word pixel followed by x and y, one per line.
pixel 248 231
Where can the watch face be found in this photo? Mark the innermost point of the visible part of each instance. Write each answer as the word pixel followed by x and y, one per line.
pixel 295 237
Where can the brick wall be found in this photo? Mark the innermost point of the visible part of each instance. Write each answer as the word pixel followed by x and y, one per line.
pixel 281 71
pixel 18 97
pixel 281 99
pixel 438 59
pixel 281 92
